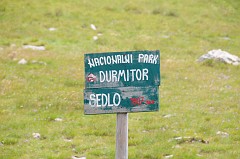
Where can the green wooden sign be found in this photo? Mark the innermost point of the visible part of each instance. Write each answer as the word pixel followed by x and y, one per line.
pixel 121 82
pixel 121 99
pixel 122 69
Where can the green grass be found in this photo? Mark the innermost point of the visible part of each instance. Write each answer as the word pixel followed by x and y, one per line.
pixel 202 98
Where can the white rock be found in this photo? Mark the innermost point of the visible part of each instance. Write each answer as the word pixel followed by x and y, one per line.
pixel 226 38
pixel 221 56
pixel 95 38
pixel 93 27
pixel 177 146
pixel 41 48
pixel 178 138
pixel 52 29
pixel 58 119
pixel 67 140
pixel 236 63
pixel 223 134
pixel 36 135
pixel 168 156
pixel 76 157
pixel 167 116
pixel 165 36
pixel 13 45
pixel 22 62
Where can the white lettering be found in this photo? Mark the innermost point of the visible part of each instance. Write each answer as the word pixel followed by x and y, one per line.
pixel 126 59
pixel 105 61
pixel 120 74
pixel 101 61
pixel 119 60
pixel 128 75
pixel 104 100
pixel 145 74
pixel 114 76
pixel 110 104
pixel 124 75
pixel 96 60
pixel 132 71
pixel 138 74
pixel 150 60
pixel 98 100
pixel 113 59
pixel 140 58
pixel 109 60
pixel 108 76
pixel 91 63
pixel 114 99
pixel 92 100
pixel 146 58
pixel 155 59
pixel 101 76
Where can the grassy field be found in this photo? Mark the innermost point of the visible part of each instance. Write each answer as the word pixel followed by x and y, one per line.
pixel 199 113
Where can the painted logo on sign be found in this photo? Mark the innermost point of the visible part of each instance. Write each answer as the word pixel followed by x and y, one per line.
pixel 91 78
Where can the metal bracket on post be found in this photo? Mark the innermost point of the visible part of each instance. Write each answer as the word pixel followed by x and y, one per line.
pixel 122 136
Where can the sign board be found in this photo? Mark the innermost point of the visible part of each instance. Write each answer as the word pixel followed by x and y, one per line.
pixel 122 69
pixel 120 82
pixel 121 100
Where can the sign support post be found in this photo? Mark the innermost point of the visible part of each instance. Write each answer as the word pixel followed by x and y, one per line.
pixel 122 136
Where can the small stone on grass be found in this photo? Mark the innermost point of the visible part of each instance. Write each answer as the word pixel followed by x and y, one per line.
pixel 36 135
pixel 58 119
pixel 221 56
pixel 95 38
pixel 168 156
pixel 33 47
pixel 22 62
pixel 52 29
pixel 93 27
pixel 223 134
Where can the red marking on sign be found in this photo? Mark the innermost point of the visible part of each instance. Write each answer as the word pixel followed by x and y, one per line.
pixel 150 102
pixel 137 101
pixel 140 100
pixel 91 78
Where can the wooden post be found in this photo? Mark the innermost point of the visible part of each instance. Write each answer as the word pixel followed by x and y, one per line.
pixel 122 136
